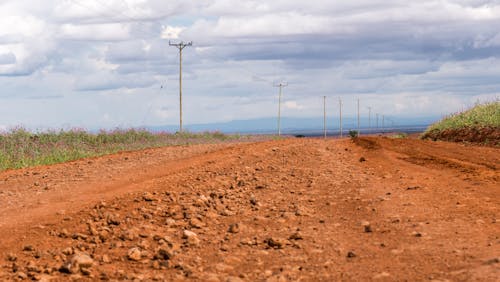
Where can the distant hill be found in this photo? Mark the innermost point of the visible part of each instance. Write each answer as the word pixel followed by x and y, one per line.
pixel 293 125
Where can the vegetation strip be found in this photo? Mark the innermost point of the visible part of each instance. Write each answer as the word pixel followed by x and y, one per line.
pixel 480 124
pixel 20 148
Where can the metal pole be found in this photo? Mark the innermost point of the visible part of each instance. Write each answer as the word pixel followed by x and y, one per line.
pixel 324 116
pixel 377 121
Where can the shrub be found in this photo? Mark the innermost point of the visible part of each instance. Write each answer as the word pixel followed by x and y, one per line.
pixel 353 133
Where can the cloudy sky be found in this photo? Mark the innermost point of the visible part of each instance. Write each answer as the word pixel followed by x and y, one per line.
pixel 107 63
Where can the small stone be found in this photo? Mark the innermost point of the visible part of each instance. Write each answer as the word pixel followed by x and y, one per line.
pixel 64 233
pixel 155 265
pixel 362 159
pixel 191 238
pixel 351 254
pixel 128 235
pixel 28 248
pixel 224 248
pixel 113 220
pixel 134 254
pixel 77 263
pixel 253 200
pixel 381 275
pixel 15 267
pixel 148 197
pixel 82 260
pixel 274 243
pixel 170 222
pixel 105 259
pixel 164 253
pixel 416 234
pixel 234 228
pixel 492 261
pixel 11 257
pixel 366 225
pixel 85 271
pixel 32 267
pixel 79 236
pixel 296 236
pixel 196 223
pixel 144 244
pixel 68 251
pixel 413 188
pixel 21 275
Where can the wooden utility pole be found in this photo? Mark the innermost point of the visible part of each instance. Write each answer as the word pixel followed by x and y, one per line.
pixel 280 85
pixel 383 123
pixel 324 116
pixel 359 131
pixel 370 119
pixel 340 123
pixel 181 45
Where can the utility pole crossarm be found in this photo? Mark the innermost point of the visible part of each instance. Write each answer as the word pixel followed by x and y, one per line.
pixel 181 45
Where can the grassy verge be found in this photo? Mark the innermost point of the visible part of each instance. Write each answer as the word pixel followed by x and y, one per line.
pixel 20 148
pixel 479 124
pixel 398 136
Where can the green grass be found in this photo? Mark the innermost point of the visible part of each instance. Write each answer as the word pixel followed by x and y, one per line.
pixel 20 148
pixel 482 115
pixel 398 136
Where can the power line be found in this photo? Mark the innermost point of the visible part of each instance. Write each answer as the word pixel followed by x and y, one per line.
pixel 181 45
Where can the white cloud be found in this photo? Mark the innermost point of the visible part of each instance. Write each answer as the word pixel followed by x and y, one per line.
pixel 293 105
pixel 25 40
pixel 104 32
pixel 171 32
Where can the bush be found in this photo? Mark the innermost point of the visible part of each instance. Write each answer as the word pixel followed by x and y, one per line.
pixel 353 133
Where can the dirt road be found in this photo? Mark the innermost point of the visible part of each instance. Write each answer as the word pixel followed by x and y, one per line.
pixel 296 209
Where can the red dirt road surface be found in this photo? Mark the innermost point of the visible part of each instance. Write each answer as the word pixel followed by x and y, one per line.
pixel 376 209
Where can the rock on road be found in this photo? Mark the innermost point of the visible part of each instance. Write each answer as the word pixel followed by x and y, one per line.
pixel 294 209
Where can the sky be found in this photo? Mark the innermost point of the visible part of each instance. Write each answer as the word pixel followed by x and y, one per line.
pixel 106 64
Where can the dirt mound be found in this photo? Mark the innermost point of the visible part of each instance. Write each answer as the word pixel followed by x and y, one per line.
pixel 366 143
pixel 482 135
